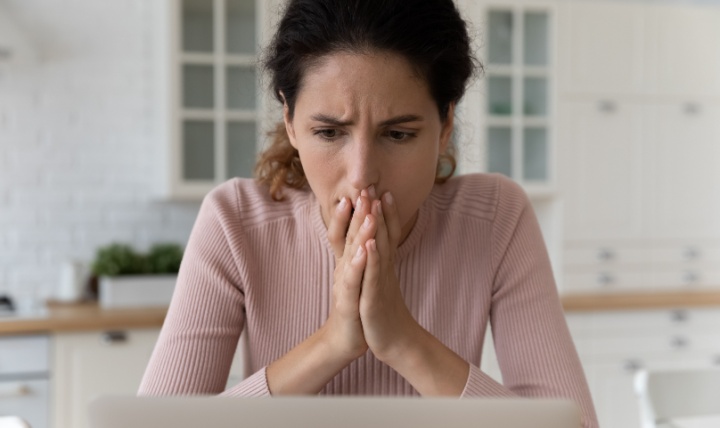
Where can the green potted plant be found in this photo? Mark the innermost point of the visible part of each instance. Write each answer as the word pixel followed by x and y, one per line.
pixel 127 278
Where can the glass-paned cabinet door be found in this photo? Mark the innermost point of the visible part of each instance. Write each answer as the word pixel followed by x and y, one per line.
pixel 518 77
pixel 217 92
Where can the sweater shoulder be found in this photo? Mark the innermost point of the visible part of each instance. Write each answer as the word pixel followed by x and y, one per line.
pixel 251 203
pixel 481 195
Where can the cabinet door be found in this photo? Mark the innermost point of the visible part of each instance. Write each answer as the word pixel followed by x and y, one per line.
pixel 601 47
pixel 683 149
pixel 683 50
pixel 87 365
pixel 600 169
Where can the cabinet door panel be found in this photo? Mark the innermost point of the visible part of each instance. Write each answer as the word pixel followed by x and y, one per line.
pixel 87 365
pixel 600 172
pixel 601 46
pixel 683 50
pixel 683 142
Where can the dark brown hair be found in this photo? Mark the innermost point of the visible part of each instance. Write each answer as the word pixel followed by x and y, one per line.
pixel 430 34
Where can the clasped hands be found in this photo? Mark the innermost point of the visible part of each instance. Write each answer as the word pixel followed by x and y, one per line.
pixel 368 310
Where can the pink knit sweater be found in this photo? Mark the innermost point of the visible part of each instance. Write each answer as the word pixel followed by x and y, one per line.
pixel 475 256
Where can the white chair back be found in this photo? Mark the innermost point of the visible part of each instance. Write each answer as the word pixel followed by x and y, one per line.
pixel 12 422
pixel 665 395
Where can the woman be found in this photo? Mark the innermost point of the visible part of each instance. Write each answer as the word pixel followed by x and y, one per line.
pixel 354 263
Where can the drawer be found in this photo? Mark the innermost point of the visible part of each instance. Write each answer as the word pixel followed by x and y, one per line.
pixel 609 280
pixel 685 278
pixel 24 354
pixel 605 255
pixel 645 322
pixel 28 399
pixel 687 253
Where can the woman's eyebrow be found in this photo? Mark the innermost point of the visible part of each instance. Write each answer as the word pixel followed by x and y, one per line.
pixel 389 122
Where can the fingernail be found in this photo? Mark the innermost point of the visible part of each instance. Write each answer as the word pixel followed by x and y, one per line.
pixel 371 190
pixel 341 206
pixel 358 204
pixel 359 253
pixel 363 192
pixel 373 248
pixel 389 198
pixel 379 209
pixel 366 223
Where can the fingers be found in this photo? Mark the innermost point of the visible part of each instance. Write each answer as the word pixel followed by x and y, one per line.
pixel 352 279
pixel 382 239
pixel 362 209
pixel 338 226
pixel 391 219
pixel 372 270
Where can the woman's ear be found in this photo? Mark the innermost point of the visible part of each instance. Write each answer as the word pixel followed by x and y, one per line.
pixel 288 122
pixel 447 128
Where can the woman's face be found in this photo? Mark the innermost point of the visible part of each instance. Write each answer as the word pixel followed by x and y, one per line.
pixel 368 119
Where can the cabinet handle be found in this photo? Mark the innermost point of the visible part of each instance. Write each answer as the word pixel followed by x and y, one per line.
pixel 631 366
pixel 679 315
pixel 690 277
pixel 14 390
pixel 692 109
pixel 606 254
pixel 691 253
pixel 605 279
pixel 679 342
pixel 114 337
pixel 607 106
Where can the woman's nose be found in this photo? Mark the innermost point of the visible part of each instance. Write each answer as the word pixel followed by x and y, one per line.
pixel 363 164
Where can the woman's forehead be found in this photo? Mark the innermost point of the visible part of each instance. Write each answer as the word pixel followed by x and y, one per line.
pixel 346 84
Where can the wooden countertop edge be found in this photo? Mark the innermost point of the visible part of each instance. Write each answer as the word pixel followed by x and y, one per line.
pixel 78 317
pixel 639 300
pixel 64 318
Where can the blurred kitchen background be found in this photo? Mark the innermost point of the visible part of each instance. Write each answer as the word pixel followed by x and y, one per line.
pixel 117 117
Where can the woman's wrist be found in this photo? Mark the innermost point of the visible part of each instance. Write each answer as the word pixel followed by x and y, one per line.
pixel 431 367
pixel 308 367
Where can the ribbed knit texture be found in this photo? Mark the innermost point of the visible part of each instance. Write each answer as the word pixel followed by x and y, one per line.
pixel 475 255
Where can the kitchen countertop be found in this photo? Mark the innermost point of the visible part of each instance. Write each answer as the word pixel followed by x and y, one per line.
pixel 640 300
pixel 63 317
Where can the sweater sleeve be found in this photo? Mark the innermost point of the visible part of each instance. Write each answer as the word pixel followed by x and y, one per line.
pixel 200 333
pixel 535 351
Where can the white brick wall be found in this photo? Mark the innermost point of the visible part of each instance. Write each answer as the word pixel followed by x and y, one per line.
pixel 79 152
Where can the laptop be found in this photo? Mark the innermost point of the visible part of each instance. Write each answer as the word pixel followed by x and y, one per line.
pixel 330 412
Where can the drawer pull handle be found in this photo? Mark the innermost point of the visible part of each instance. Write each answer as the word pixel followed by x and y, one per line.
pixel 679 342
pixel 606 255
pixel 692 109
pixel 679 315
pixel 631 366
pixel 114 337
pixel 15 390
pixel 691 253
pixel 607 106
pixel 690 277
pixel 605 279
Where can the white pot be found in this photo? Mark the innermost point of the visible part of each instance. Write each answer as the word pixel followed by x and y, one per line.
pixel 136 290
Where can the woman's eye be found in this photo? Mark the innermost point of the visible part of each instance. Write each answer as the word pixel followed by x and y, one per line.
pixel 328 134
pixel 399 135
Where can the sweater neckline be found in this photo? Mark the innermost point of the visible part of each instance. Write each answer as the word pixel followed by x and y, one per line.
pixel 403 250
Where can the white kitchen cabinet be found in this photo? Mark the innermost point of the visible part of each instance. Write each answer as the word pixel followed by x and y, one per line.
pixel 214 109
pixel 682 149
pixel 681 50
pixel 508 115
pixel 25 378
pixel 614 345
pixel 601 47
pixel 600 169
pixel 87 365
pixel 613 48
